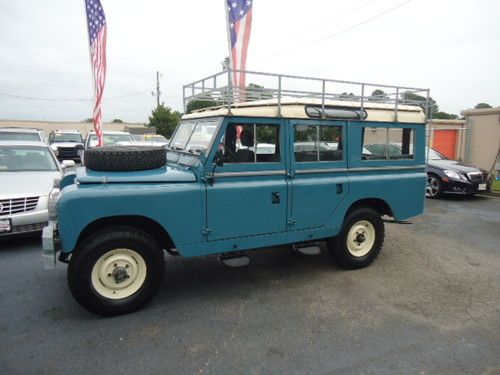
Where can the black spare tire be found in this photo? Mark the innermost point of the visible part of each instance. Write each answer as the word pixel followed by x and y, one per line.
pixel 125 158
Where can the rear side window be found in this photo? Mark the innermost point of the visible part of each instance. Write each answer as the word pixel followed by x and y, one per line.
pixel 315 143
pixel 381 143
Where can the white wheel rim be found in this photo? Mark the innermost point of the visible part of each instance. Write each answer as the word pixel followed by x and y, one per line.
pixel 361 238
pixel 119 273
pixel 432 186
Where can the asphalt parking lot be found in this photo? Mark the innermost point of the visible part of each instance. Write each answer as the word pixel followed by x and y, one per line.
pixel 429 304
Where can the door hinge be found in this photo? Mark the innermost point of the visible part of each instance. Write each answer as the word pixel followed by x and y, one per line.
pixel 291 221
pixel 206 231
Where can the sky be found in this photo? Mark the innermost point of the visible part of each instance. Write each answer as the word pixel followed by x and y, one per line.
pixel 449 46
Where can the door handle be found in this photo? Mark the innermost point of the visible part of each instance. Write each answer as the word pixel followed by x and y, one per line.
pixel 339 189
pixel 275 198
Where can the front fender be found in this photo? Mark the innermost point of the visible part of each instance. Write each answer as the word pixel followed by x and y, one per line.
pixel 177 207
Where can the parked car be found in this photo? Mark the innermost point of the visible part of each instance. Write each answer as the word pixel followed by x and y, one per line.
pixel 66 144
pixel 110 138
pixel 156 139
pixel 454 177
pixel 443 175
pixel 22 134
pixel 27 173
pixel 210 193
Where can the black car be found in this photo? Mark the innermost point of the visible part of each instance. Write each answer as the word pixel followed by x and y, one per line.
pixel 450 176
pixel 443 175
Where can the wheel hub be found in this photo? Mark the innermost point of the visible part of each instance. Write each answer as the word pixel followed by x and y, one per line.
pixel 360 238
pixel 120 274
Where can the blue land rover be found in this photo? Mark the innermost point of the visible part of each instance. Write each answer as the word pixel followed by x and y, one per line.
pixel 246 173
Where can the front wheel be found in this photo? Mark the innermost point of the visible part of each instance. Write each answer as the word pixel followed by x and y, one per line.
pixel 434 186
pixel 360 240
pixel 117 271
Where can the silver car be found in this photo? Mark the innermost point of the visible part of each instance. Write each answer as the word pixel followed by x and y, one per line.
pixel 22 134
pixel 27 173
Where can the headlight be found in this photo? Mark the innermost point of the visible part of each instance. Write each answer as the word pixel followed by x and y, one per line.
pixel 54 196
pixel 452 174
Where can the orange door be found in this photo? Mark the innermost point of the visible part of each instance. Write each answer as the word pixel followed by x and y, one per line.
pixel 445 141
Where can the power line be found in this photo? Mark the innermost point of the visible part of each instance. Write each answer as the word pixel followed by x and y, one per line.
pixel 378 15
pixel 21 97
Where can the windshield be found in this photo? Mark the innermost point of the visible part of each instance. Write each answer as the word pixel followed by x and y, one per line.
pixel 194 136
pixel 19 136
pixel 434 155
pixel 157 138
pixel 110 139
pixel 65 137
pixel 23 158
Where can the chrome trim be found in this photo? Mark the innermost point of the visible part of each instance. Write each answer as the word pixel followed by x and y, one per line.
pixel 321 170
pixel 386 168
pixel 250 173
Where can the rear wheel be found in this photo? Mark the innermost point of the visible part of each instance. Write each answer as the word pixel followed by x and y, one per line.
pixel 360 240
pixel 117 271
pixel 434 186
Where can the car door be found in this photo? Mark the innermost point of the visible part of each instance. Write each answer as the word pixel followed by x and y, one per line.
pixel 318 171
pixel 247 195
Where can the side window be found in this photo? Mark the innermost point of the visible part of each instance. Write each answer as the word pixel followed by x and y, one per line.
pixel 315 143
pixel 387 143
pixel 252 143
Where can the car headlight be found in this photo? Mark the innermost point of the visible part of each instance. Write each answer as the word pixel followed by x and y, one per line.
pixel 452 174
pixel 54 196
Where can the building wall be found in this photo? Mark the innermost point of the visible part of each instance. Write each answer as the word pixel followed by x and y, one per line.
pixel 483 136
pixel 83 127
pixel 459 125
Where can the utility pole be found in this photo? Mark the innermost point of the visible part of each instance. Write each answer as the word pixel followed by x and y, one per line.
pixel 157 89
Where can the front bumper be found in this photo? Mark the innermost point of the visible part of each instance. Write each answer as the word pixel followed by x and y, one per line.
pixel 26 222
pixel 50 245
pixel 460 187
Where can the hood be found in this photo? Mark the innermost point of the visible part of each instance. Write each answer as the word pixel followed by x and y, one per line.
pixel 24 184
pixel 163 174
pixel 454 166
pixel 66 144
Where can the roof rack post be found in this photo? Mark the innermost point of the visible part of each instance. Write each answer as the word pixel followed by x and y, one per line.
pixel 229 91
pixel 184 98
pixel 323 84
pixel 428 116
pixel 396 109
pixel 361 115
pixel 279 95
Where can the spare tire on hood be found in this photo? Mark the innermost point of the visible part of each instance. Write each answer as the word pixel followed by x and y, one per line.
pixel 125 158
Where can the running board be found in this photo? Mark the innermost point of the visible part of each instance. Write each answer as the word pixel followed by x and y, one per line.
pixel 234 259
pixel 307 248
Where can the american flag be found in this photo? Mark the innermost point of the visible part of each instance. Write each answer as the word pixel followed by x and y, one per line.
pixel 240 25
pixel 96 23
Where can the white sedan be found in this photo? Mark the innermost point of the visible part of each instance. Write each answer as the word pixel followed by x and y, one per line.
pixel 27 173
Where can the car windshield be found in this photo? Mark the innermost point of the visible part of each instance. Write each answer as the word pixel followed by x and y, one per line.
pixel 110 139
pixel 434 155
pixel 65 137
pixel 24 158
pixel 19 136
pixel 194 136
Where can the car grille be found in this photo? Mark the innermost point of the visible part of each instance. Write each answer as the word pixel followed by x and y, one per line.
pixel 67 152
pixel 475 176
pixel 17 205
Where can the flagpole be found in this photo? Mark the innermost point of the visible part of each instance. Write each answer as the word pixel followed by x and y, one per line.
pixel 90 60
pixel 228 30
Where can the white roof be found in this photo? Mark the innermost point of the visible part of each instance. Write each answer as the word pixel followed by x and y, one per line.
pixel 24 143
pixel 111 132
pixel 69 131
pixel 19 130
pixel 295 108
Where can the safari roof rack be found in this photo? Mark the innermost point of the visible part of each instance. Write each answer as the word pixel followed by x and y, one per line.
pixel 220 90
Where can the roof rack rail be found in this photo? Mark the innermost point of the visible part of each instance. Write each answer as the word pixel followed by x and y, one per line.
pixel 220 90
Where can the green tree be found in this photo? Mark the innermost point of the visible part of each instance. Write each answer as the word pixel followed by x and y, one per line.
pixel 90 119
pixel 258 92
pixel 117 121
pixel 164 119
pixel 193 105
pixel 482 105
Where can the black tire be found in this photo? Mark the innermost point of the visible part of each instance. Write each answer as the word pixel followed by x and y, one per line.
pixel 434 186
pixel 338 246
pixel 93 248
pixel 125 158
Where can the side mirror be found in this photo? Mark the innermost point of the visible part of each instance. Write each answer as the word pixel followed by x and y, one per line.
pixel 68 163
pixel 219 158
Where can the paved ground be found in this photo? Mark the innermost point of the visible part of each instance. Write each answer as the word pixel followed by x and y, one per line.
pixel 429 304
